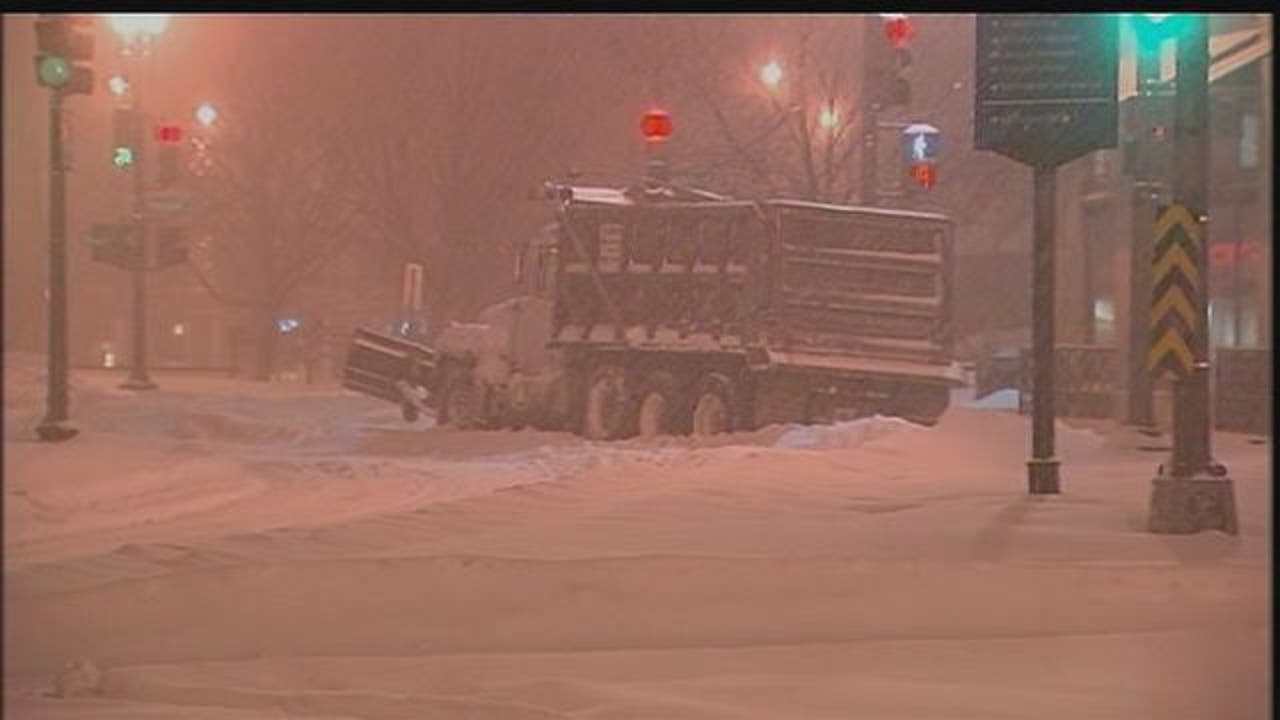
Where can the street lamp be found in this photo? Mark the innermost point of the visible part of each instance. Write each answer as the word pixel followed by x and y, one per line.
pixel 771 74
pixel 118 85
pixel 206 114
pixel 136 31
pixel 138 26
pixel 828 116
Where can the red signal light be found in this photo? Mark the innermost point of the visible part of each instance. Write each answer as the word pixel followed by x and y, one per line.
pixel 656 125
pixel 924 174
pixel 898 29
pixel 169 133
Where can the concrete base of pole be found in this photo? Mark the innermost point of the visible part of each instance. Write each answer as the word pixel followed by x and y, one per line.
pixel 1188 505
pixel 55 431
pixel 1042 476
pixel 136 384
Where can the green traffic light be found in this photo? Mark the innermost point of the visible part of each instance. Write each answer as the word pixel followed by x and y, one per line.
pixel 122 157
pixel 53 71
pixel 1151 29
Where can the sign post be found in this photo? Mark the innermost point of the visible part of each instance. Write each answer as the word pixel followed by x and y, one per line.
pixel 1045 93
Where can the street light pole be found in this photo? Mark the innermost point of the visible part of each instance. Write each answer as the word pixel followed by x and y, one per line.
pixel 136 35
pixel 1191 491
pixel 138 378
pixel 54 427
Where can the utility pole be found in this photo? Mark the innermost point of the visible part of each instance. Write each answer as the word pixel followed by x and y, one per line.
pixel 1140 410
pixel 1191 491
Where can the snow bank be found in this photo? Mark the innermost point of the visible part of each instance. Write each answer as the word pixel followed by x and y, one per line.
pixel 842 435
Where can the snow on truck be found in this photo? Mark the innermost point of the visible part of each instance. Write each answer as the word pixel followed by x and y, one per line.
pixel 672 311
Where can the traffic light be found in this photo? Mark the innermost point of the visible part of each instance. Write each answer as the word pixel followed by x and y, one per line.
pixel 168 145
pixel 921 144
pixel 63 42
pixel 1152 29
pixel 125 123
pixel 656 125
pixel 888 60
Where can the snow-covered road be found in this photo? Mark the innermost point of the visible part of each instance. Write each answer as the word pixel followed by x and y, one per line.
pixel 229 550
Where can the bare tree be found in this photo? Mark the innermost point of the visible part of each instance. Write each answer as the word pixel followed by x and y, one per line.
pixel 273 199
pixel 796 139
pixel 449 151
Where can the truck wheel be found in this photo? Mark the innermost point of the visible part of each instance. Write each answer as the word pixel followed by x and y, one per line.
pixel 408 412
pixel 713 406
pixel 608 413
pixel 460 406
pixel 658 411
pixel 922 404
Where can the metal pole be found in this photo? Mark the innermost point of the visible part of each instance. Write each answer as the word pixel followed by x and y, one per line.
pixel 54 427
pixel 1042 468
pixel 1191 491
pixel 1191 449
pixel 1141 410
pixel 138 378
pixel 872 73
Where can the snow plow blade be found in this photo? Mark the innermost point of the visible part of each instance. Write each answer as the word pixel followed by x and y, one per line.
pixel 384 366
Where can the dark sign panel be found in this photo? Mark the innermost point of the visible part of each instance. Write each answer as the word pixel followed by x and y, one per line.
pixel 1045 86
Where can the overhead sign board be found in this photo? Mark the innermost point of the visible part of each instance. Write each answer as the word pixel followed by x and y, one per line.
pixel 1046 85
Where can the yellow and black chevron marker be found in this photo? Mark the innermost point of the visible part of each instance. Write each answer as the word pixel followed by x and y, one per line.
pixel 1176 292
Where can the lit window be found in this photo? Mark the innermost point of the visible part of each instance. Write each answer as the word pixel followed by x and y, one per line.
pixel 179 329
pixel 1104 321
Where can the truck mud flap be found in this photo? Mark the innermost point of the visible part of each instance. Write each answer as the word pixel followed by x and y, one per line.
pixel 382 366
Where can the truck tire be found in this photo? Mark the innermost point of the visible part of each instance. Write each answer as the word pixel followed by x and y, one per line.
pixel 713 406
pixel 659 405
pixel 460 406
pixel 609 414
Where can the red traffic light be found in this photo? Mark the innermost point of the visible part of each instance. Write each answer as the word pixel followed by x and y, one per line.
pixel 898 29
pixel 924 174
pixel 169 133
pixel 656 125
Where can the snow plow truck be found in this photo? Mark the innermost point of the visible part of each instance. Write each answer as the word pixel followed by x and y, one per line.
pixel 664 311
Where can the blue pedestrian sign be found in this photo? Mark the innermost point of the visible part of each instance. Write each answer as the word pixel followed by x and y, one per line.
pixel 921 143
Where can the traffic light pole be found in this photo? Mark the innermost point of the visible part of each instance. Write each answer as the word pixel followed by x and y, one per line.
pixel 54 427
pixel 1191 491
pixel 138 378
pixel 1141 412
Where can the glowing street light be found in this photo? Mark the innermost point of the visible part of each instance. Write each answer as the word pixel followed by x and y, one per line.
pixel 206 114
pixel 134 25
pixel 118 85
pixel 771 74
pixel 828 117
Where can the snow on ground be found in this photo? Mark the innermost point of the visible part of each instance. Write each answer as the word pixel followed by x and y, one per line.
pixel 224 550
